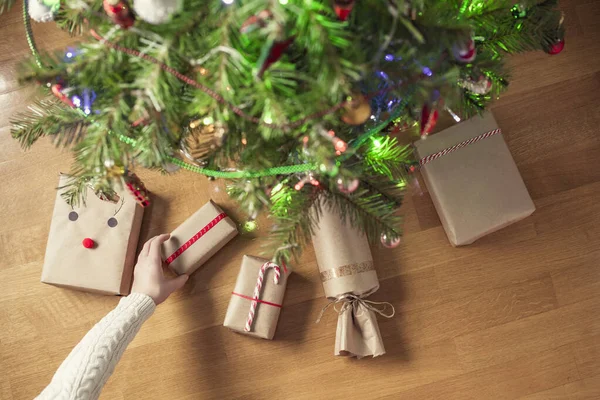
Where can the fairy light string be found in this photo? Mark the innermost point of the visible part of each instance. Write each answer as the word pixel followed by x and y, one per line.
pixel 280 170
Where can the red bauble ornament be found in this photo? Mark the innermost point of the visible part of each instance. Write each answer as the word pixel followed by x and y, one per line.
pixel 57 91
pixel 119 12
pixel 556 47
pixel 428 120
pixel 272 54
pixel 343 8
pixel 88 243
pixel 137 189
pixel 464 52
pixel 257 21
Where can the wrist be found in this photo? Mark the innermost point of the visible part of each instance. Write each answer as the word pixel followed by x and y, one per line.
pixel 142 300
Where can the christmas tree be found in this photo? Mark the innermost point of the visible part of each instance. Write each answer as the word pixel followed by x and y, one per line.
pixel 288 100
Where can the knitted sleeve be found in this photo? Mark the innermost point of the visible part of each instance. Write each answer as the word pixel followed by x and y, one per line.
pixel 87 368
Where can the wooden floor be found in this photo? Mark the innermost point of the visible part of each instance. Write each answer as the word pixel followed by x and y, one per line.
pixel 516 315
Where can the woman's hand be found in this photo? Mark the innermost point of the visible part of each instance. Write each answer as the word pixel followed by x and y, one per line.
pixel 149 277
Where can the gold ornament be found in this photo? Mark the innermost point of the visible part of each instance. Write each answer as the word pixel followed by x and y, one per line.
pixel 115 171
pixel 202 139
pixel 357 112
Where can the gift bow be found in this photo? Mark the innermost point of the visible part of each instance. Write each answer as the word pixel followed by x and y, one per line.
pixel 257 289
pixel 350 300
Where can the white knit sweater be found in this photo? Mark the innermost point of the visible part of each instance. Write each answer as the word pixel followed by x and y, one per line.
pixel 87 368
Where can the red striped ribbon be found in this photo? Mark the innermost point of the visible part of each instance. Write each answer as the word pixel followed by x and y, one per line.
pixel 460 145
pixel 257 300
pixel 195 238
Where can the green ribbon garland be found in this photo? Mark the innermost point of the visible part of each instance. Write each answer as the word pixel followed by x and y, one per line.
pixel 282 170
pixel 29 34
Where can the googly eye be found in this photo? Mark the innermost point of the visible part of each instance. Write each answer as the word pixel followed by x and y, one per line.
pixel 112 222
pixel 73 216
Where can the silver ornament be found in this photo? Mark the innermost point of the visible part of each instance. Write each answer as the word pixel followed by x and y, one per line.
pixel 40 12
pixel 482 86
pixel 390 241
pixel 157 11
pixel 346 185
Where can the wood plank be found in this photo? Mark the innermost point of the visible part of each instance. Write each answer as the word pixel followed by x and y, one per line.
pixel 474 313
pixel 583 389
pixel 587 354
pixel 531 335
pixel 580 281
pixel 505 381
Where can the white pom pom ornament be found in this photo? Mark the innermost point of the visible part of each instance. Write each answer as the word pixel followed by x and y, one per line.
pixel 156 11
pixel 40 12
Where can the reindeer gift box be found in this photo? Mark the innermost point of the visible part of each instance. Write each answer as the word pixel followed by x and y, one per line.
pixel 92 247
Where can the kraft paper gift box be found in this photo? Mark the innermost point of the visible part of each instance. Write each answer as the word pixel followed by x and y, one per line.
pixel 198 238
pixel 114 228
pixel 473 180
pixel 269 302
pixel 348 275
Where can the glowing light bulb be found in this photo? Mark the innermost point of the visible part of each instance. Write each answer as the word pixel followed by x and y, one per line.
pixel 377 143
pixel 283 2
pixel 341 146
pixel 268 120
pixel 76 100
pixel 250 226
pixel 207 121
pixel 228 1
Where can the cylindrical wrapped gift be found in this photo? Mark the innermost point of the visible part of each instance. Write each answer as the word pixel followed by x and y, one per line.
pixel 348 276
pixel 343 255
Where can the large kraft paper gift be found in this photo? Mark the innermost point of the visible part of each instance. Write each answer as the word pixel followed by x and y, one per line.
pixel 348 277
pixel 473 180
pixel 199 237
pixel 109 230
pixel 257 298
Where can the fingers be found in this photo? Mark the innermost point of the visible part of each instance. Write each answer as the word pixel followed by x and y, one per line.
pixel 157 241
pixel 146 247
pixel 176 283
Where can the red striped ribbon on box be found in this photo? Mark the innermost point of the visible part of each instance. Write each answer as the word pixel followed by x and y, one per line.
pixel 195 238
pixel 460 145
pixel 257 300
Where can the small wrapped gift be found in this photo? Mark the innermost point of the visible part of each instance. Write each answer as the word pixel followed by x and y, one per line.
pixel 257 298
pixel 199 237
pixel 348 277
pixel 92 247
pixel 473 180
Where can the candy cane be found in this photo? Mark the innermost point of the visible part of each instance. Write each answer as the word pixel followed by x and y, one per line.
pixel 257 289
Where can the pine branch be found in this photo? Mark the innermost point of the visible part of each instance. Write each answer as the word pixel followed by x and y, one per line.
pixel 49 117
pixel 292 222
pixel 368 212
pixel 250 195
pixel 385 156
pixel 6 5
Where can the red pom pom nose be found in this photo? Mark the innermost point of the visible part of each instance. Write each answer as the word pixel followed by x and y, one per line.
pixel 88 243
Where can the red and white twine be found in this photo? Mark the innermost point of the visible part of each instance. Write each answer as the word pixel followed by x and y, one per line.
pixel 460 145
pixel 257 289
